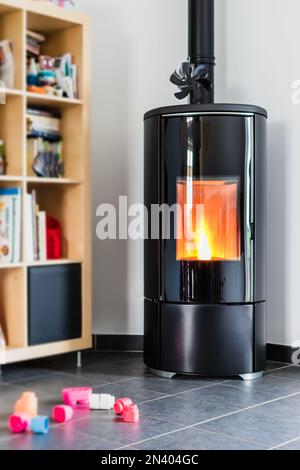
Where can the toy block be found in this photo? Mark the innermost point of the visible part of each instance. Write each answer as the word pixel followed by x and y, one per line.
pixel 39 424
pixel 62 413
pixel 27 404
pixel 131 414
pixel 120 404
pixel 102 401
pixel 76 395
pixel 19 422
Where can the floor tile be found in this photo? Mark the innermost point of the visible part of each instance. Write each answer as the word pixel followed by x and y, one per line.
pixel 11 373
pixel 294 445
pixel 54 382
pixel 290 373
pixel 211 402
pixel 287 408
pixel 128 388
pixel 194 439
pixel 181 410
pixel 56 439
pixel 275 386
pixel 103 371
pixel 171 386
pixel 105 425
pixel 256 425
pixel 271 365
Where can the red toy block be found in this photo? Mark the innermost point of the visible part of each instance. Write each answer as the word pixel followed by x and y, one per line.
pixel 120 405
pixel 76 395
pixel 131 414
pixel 19 422
pixel 62 413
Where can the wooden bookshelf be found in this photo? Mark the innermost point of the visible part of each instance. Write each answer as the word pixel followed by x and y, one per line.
pixel 68 198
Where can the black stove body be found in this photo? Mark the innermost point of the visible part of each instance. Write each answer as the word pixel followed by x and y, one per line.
pixel 204 290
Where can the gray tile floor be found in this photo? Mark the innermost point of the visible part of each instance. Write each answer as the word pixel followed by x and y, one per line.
pixel 182 413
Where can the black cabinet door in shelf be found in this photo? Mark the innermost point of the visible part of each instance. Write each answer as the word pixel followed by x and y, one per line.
pixel 54 303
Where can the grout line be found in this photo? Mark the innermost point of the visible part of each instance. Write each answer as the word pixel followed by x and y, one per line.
pixel 214 419
pixel 288 379
pixel 232 437
pixel 179 393
pixel 284 443
pixel 278 368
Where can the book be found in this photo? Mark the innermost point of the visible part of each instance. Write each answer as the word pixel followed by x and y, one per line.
pixel 2 338
pixel 42 235
pixel 38 123
pixel 10 225
pixel 6 227
pixel 34 224
pixel 34 36
pixel 16 200
pixel 63 70
pixel 7 64
pixel 29 244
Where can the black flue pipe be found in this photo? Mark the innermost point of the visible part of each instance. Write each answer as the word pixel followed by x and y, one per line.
pixel 201 39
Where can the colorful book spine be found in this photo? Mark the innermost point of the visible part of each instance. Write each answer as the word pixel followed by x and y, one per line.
pixel 10 225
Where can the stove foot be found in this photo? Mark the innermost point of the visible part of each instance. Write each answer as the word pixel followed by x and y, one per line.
pixel 163 374
pixel 253 376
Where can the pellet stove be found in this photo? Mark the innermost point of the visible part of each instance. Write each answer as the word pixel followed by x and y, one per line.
pixel 205 283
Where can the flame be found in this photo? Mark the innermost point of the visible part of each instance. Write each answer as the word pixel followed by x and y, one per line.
pixel 204 248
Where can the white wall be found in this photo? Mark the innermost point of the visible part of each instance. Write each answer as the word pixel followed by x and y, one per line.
pixel 261 60
pixel 136 45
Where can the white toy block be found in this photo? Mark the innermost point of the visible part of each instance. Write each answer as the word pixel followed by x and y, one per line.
pixel 102 401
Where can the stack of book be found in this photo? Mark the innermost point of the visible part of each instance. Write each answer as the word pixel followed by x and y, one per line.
pixel 33 43
pixel 44 145
pixel 35 229
pixel 10 225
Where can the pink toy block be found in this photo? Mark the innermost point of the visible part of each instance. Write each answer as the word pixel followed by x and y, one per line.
pixel 19 422
pixel 131 414
pixel 62 413
pixel 27 404
pixel 120 404
pixel 76 395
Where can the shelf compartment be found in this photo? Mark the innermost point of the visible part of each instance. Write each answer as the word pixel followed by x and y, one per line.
pixel 11 132
pixel 61 37
pixel 65 203
pixel 72 142
pixel 12 28
pixel 12 306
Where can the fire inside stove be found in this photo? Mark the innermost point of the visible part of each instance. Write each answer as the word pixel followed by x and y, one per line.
pixel 208 227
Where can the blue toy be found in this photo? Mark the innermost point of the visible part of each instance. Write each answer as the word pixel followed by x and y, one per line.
pixel 39 424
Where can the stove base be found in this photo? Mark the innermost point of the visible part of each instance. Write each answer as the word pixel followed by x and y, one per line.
pixel 169 375
pixel 162 374
pixel 212 340
pixel 254 376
